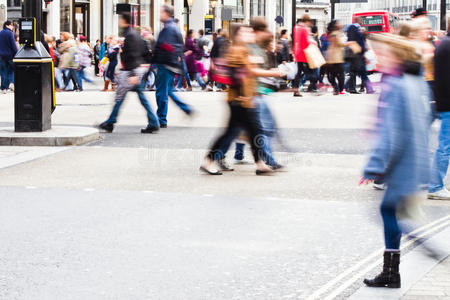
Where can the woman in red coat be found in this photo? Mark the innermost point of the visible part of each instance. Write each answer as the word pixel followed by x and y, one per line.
pixel 302 40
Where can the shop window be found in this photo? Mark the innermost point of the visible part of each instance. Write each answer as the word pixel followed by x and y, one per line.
pixel 65 14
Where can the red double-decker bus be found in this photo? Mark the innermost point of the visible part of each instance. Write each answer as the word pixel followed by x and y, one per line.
pixel 378 21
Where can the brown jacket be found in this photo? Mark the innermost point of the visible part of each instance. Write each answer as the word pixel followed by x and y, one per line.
pixel 238 58
pixel 335 53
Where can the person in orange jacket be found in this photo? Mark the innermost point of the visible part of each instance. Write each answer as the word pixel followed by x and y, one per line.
pixel 302 33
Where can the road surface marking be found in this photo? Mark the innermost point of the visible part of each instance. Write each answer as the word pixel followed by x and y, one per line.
pixel 360 274
pixel 360 264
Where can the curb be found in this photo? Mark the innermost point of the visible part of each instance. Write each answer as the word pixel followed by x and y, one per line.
pixel 57 136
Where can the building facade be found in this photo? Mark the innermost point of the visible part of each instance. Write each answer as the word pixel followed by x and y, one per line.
pixel 96 19
pixel 403 8
pixel 319 11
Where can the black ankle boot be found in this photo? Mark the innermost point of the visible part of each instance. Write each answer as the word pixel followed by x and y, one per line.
pixel 108 127
pixel 390 277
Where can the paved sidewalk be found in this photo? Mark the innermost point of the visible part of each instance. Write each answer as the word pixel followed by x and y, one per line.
pixel 435 285
pixel 14 155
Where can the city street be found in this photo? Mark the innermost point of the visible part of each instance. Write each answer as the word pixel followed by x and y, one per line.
pixel 131 217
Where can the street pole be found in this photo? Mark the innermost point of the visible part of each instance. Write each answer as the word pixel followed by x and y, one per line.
pixel 294 15
pixel 34 92
pixel 444 15
pixel 424 4
pixel 333 10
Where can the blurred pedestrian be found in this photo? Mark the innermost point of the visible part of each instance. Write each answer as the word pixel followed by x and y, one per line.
pixel 148 45
pixel 194 54
pixel 437 189
pixel 168 55
pixel 112 54
pixel 357 61
pixel 401 154
pixel 85 56
pixel 302 39
pixel 422 34
pixel 218 50
pixel 283 52
pixel 335 57
pixel 69 61
pixel 263 51
pixel 104 64
pixel 130 77
pixel 241 94
pixel 8 50
pixel 202 41
pixel 98 45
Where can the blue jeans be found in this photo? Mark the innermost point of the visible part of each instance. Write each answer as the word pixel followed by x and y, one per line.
pixel 442 155
pixel 164 90
pixel 152 119
pixel 185 74
pixel 269 129
pixel 239 151
pixel 392 231
pixel 6 73
pixel 200 80
pixel 81 76
pixel 266 155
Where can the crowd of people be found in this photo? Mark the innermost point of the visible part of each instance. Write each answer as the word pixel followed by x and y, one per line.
pixel 249 65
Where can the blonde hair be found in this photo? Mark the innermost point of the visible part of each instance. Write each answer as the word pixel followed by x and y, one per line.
pixel 404 49
pixel 418 24
pixel 65 36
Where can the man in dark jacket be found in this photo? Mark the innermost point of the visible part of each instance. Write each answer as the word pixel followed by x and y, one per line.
pixel 441 87
pixel 168 55
pixel 283 53
pixel 220 45
pixel 8 50
pixel 358 63
pixel 130 77
pixel 202 40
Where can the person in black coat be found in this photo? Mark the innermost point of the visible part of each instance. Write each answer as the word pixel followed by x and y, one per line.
pixel 130 77
pixel 283 53
pixel 357 62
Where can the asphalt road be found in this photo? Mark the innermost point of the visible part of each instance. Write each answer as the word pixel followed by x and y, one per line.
pixel 130 216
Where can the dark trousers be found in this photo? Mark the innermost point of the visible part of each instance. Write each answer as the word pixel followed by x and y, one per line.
pixel 240 118
pixel 336 72
pixel 71 75
pixel 357 67
pixel 304 70
pixel 6 73
pixel 96 65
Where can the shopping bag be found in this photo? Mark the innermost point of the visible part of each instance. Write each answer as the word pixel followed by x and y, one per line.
pixel 104 60
pixel 290 69
pixel 314 56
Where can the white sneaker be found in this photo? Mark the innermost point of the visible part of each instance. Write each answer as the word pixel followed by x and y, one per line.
pixel 379 186
pixel 443 194
pixel 4 91
pixel 11 87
